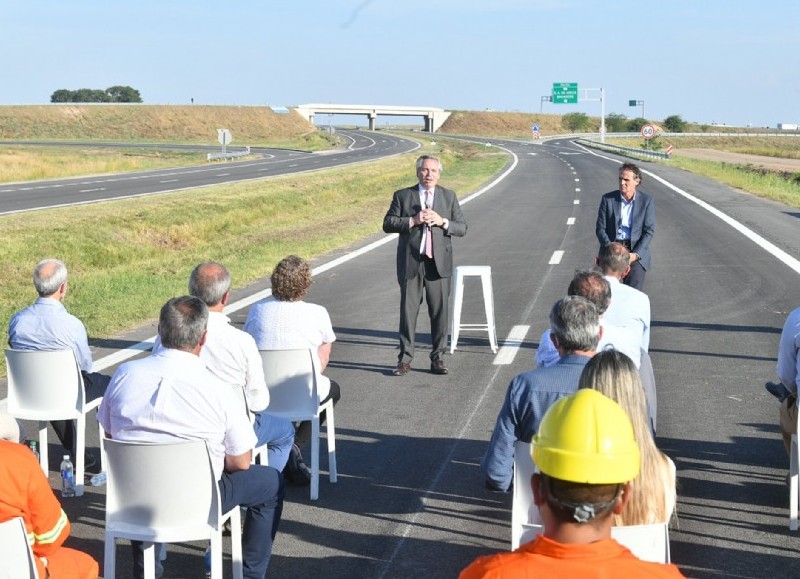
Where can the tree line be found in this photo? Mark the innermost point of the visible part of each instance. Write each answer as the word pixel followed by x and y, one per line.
pixel 113 94
pixel 616 123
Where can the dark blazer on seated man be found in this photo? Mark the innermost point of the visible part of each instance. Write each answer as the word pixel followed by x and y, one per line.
pixel 636 233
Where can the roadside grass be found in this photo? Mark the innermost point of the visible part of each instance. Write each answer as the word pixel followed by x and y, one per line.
pixel 780 186
pixel 34 163
pixel 126 258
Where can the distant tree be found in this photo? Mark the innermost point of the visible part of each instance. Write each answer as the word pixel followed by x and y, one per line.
pixel 113 94
pixel 575 122
pixel 123 94
pixel 616 123
pixel 635 125
pixel 63 95
pixel 675 124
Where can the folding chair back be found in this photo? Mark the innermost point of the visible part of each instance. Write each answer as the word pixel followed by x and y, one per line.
pixel 15 552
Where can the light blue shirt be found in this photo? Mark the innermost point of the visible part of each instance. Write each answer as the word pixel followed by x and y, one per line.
pixel 47 325
pixel 625 217
pixel 788 361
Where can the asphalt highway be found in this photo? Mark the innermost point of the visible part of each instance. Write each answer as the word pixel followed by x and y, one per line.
pixel 410 501
pixel 361 147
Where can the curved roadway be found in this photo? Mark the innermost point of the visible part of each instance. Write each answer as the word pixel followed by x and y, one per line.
pixel 18 197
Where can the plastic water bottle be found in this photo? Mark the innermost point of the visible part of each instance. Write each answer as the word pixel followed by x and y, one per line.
pixel 98 479
pixel 34 450
pixel 207 559
pixel 67 478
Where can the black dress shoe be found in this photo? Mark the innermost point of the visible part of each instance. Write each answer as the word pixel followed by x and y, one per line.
pixel 401 369
pixel 438 367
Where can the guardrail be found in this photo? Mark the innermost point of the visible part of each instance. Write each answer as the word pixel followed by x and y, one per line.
pixel 228 154
pixel 620 149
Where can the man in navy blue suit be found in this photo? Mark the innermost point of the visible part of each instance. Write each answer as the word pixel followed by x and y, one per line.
pixel 628 216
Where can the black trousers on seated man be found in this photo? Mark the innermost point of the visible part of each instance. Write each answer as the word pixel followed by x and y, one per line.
pixel 436 291
pixel 94 385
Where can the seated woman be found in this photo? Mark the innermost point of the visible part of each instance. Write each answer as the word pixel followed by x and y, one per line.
pixel 285 322
pixel 654 494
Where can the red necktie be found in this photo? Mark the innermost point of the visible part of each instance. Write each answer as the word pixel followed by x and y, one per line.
pixel 428 232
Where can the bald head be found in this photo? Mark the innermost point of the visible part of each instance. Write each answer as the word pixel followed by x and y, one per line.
pixel 210 282
pixel 48 277
pixel 614 260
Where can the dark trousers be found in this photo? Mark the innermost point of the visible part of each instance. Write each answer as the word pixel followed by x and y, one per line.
pixel 303 433
pixel 94 385
pixel 436 291
pixel 635 277
pixel 259 489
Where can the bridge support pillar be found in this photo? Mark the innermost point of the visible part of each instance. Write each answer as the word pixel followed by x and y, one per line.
pixel 372 116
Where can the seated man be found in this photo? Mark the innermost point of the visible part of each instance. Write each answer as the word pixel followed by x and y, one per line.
pixel 46 325
pixel 25 492
pixel 576 330
pixel 171 395
pixel 232 356
pixel 587 455
pixel 789 373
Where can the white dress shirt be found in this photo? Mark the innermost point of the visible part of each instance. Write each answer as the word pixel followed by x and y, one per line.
pixel 629 308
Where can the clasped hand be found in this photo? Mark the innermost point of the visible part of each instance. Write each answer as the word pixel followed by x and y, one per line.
pixel 428 217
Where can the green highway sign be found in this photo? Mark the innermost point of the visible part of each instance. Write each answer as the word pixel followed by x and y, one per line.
pixel 633 103
pixel 565 92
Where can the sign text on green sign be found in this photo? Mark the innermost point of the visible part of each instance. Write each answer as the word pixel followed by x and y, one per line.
pixel 565 92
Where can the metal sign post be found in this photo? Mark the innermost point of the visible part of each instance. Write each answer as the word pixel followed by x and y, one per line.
pixel 602 100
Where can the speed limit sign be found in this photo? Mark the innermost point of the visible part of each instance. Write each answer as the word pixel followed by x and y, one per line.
pixel 648 131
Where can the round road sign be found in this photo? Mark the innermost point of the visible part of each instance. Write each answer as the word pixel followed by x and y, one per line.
pixel 648 131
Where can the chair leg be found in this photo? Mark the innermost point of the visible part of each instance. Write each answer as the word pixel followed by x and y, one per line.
pixel 236 543
pixel 315 458
pixel 793 484
pixel 216 553
pixel 488 299
pixel 80 452
pixel 331 442
pixel 44 458
pixel 458 299
pixel 110 557
pixel 149 552
pixel 101 436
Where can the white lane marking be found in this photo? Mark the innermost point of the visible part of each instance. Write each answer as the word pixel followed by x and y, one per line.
pixel 147 344
pixel 556 257
pixel 571 221
pixel 91 190
pixel 576 180
pixel 577 190
pixel 511 345
pixel 169 181
pixel 222 175
pixel 576 202
pixel 768 246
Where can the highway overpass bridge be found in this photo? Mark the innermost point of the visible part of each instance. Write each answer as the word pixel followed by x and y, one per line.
pixel 434 117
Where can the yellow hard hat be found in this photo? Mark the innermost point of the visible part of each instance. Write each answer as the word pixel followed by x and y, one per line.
pixel 586 438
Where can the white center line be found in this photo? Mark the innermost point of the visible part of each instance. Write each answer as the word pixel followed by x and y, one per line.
pixel 556 258
pixel 577 202
pixel 508 351
pixel 571 221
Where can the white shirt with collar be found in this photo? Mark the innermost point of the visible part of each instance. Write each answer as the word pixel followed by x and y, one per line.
pixel 629 307
pixel 171 396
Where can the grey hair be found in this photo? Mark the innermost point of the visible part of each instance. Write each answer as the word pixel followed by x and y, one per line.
pixel 614 258
pixel 182 322
pixel 575 323
pixel 48 275
pixel 210 282
pixel 424 158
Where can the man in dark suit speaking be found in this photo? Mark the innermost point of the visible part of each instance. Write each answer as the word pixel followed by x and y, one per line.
pixel 426 216
pixel 628 216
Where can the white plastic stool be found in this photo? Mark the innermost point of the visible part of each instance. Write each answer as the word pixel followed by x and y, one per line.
pixel 485 273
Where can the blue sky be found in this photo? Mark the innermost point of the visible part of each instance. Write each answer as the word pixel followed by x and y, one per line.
pixel 733 61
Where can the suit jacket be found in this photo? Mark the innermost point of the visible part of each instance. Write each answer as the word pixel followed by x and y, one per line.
pixel 643 222
pixel 406 204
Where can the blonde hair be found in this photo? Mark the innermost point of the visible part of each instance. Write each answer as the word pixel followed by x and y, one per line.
pixel 612 373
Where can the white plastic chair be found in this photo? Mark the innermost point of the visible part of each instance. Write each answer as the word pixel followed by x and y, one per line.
pixel 292 381
pixel 15 552
pixel 647 542
pixel 525 520
pixel 794 478
pixel 46 385
pixel 165 493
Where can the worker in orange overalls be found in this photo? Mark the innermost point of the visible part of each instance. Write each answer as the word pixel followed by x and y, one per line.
pixel 25 492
